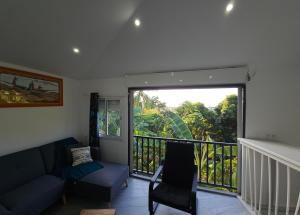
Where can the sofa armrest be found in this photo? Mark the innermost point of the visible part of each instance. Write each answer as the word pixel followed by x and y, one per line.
pixel 96 153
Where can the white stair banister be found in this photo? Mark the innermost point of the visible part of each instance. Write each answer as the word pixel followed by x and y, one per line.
pixel 298 206
pixel 270 186
pixel 281 155
pixel 254 180
pixel 288 190
pixel 277 188
pixel 250 177
pixel 261 182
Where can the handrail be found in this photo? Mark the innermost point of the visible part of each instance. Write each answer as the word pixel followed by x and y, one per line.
pixel 255 153
pixel 188 140
pixel 284 153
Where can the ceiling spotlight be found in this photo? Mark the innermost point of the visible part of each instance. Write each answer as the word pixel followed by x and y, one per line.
pixel 229 7
pixel 180 80
pixel 76 50
pixel 137 22
pixel 146 82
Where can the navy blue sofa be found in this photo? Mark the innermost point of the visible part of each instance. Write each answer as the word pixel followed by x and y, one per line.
pixel 30 182
pixel 26 186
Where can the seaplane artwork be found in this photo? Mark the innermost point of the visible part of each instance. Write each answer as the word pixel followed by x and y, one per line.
pixel 26 89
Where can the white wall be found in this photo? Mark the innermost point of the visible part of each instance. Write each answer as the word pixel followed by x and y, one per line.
pixel 112 149
pixel 22 128
pixel 273 104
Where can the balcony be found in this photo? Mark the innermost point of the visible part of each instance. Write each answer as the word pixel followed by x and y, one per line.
pixel 216 161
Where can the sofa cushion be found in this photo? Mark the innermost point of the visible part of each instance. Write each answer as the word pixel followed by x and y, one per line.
pixel 103 184
pixel 108 176
pixel 4 211
pixel 19 168
pixel 34 196
pixel 48 154
pixel 73 174
pixel 60 154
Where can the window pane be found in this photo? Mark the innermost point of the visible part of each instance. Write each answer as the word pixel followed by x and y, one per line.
pixel 102 118
pixel 114 118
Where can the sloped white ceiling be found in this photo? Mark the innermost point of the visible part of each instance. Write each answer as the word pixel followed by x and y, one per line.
pixel 41 34
pixel 175 35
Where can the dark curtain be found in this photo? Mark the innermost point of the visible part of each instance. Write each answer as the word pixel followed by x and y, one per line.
pixel 94 129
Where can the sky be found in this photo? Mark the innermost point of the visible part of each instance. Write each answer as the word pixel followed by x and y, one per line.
pixel 209 97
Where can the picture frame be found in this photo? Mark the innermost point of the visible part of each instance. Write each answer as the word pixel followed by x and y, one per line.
pixel 19 88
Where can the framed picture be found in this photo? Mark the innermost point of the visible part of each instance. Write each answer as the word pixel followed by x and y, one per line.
pixel 26 89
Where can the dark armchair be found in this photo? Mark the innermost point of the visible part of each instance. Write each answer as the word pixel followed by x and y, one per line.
pixel 178 186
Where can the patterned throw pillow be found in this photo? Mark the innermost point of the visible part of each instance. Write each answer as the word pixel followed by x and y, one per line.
pixel 81 155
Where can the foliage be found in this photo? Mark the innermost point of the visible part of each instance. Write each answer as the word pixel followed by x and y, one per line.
pixel 153 118
pixel 227 119
pixel 109 120
pixel 114 120
pixel 198 118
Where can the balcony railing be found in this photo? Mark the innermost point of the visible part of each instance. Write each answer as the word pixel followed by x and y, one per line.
pixel 216 161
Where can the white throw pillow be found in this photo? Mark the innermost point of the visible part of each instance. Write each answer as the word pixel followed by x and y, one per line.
pixel 81 155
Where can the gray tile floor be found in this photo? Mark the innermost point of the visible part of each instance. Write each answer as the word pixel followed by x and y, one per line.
pixel 133 201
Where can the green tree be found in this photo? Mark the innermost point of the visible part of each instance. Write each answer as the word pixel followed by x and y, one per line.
pixel 227 119
pixel 198 118
pixel 142 100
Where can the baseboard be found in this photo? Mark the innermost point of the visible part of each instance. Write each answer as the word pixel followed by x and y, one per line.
pixel 246 206
pixel 220 192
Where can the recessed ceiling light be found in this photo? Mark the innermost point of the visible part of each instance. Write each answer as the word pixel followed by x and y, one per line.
pixel 229 7
pixel 137 22
pixel 76 50
pixel 180 80
pixel 146 82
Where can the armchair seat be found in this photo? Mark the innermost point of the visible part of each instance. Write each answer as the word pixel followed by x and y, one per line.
pixel 179 197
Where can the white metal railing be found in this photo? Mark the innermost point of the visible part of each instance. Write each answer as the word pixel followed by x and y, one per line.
pixel 254 177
